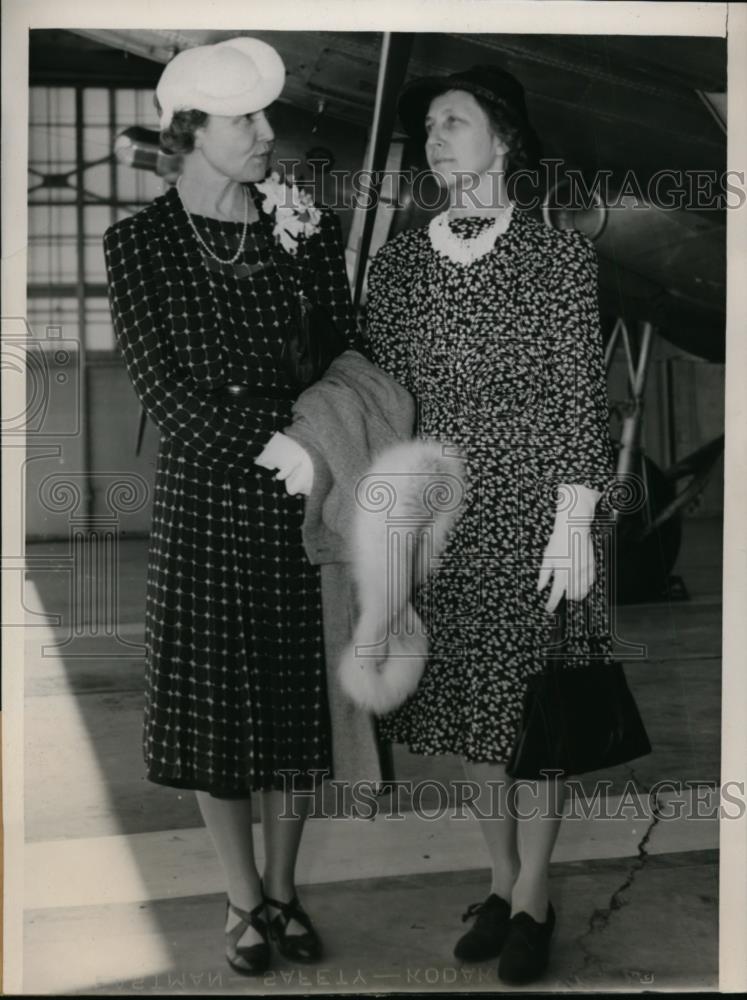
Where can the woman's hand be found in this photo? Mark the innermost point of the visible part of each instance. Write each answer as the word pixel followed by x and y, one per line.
pixel 569 555
pixel 569 560
pixel 293 463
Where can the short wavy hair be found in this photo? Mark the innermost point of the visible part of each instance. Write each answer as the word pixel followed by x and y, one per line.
pixel 524 149
pixel 179 137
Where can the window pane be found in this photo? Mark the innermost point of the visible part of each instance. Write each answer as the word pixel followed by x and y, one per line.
pixel 95 106
pixel 52 105
pixel 37 103
pixel 97 180
pixel 99 330
pixel 97 142
pixel 54 240
pixel 98 219
pixel 124 103
pixel 50 318
pixel 139 186
pixel 135 107
pixel 52 147
pixel 41 195
pixel 145 109
pixel 52 244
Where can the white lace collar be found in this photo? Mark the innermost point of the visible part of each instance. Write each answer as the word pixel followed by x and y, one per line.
pixel 466 251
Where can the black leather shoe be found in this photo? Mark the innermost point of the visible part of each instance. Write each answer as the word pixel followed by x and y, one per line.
pixel 254 959
pixel 295 947
pixel 527 949
pixel 486 936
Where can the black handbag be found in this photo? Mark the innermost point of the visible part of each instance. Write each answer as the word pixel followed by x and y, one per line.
pixel 310 344
pixel 576 719
pixel 313 339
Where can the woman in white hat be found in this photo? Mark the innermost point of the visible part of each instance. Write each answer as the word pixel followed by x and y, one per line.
pixel 491 320
pixel 202 298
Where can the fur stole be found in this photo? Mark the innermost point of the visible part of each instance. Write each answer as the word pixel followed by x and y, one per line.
pixel 406 505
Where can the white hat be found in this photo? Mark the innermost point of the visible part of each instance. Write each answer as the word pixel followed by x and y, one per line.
pixel 235 77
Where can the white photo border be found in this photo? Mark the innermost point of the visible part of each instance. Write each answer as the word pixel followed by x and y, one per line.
pixel 493 16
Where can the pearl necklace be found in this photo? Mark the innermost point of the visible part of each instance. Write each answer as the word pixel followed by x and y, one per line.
pixel 466 251
pixel 208 249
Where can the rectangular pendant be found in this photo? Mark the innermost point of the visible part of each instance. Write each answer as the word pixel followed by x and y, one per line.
pixel 241 270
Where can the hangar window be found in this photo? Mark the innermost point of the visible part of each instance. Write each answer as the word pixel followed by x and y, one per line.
pixel 77 188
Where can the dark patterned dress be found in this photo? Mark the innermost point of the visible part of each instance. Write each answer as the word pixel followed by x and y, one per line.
pixel 504 358
pixel 235 674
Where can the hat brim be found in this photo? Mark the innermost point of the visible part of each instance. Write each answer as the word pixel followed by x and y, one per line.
pixel 260 98
pixel 416 98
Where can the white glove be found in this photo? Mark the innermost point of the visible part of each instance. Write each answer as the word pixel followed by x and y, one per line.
pixel 293 463
pixel 569 555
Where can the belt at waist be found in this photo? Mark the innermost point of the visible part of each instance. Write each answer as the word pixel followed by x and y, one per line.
pixel 240 391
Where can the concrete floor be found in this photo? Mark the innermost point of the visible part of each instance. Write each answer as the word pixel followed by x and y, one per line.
pixel 123 891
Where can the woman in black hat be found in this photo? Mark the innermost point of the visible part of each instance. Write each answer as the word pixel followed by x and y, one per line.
pixel 490 319
pixel 203 301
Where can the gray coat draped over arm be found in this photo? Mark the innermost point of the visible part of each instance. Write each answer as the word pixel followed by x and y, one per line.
pixel 344 421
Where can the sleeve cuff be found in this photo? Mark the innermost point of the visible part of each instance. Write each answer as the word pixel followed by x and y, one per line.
pixel 577 500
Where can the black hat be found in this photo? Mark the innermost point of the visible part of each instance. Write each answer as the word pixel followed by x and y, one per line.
pixel 488 82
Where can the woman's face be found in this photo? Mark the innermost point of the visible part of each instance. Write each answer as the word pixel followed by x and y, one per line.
pixel 460 139
pixel 237 146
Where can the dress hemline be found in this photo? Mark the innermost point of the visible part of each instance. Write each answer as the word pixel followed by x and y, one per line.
pixel 195 785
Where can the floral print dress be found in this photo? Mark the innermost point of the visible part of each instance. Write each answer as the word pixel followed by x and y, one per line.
pixel 504 358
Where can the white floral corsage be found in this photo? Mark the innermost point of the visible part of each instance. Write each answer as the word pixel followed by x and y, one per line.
pixel 296 214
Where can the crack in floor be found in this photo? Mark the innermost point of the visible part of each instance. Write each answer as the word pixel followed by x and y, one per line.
pixel 601 916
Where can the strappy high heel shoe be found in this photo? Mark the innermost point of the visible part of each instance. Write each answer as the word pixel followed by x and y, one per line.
pixel 253 959
pixel 295 947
